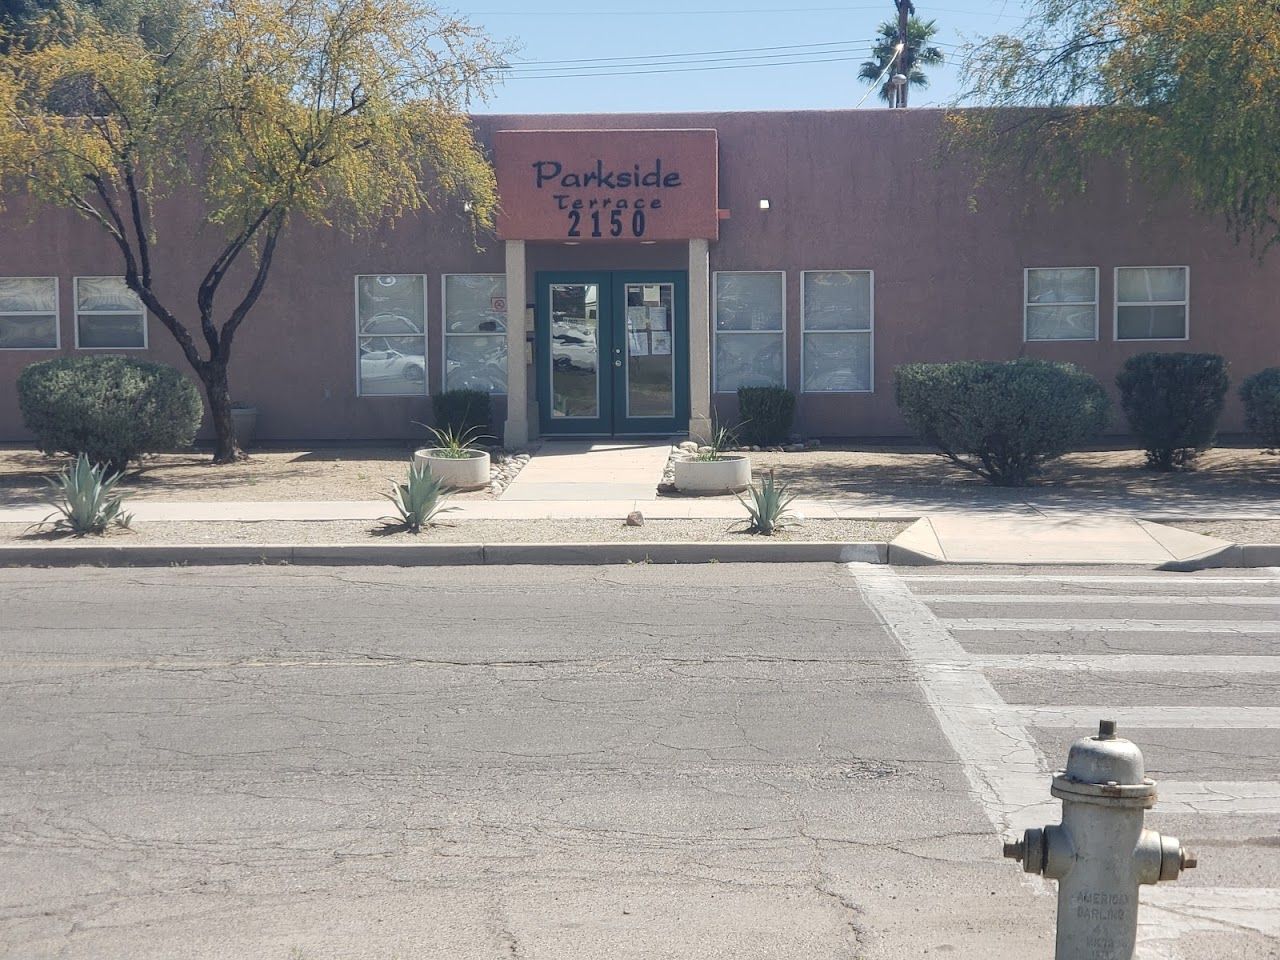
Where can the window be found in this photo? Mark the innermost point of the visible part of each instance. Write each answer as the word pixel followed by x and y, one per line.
pixel 475 332
pixel 28 313
pixel 1060 303
pixel 109 316
pixel 835 346
pixel 750 342
pixel 391 335
pixel 1151 303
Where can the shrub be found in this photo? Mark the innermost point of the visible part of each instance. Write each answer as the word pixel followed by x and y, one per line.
pixel 460 411
pixel 766 414
pixel 418 502
pixel 1173 401
pixel 1002 420
pixel 1261 396
pixel 85 501
pixel 112 409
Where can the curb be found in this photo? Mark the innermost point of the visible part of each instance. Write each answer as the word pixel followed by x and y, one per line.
pixel 442 554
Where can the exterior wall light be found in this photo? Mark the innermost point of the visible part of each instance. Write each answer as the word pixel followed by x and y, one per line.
pixel 764 204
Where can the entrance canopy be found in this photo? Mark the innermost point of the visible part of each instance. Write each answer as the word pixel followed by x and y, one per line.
pixel 607 186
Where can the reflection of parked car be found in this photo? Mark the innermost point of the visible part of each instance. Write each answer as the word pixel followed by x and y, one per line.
pixel 390 324
pixel 573 345
pixel 392 365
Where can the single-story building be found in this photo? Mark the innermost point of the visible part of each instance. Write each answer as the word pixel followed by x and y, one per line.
pixel 645 266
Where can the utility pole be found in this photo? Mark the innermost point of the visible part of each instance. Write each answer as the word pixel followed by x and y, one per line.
pixel 906 9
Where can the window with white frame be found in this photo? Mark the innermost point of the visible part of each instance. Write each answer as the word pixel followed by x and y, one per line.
pixel 475 332
pixel 391 335
pixel 1151 303
pixel 28 313
pixel 836 322
pixel 109 316
pixel 749 322
pixel 1060 303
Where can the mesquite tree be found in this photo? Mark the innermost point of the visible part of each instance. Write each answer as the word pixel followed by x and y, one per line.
pixel 1181 91
pixel 344 112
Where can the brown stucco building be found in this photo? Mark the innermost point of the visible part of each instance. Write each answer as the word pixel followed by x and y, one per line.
pixel 645 266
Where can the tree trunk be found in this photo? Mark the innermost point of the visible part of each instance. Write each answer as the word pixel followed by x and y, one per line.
pixel 227 449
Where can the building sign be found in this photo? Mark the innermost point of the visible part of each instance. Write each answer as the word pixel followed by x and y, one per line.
pixel 597 186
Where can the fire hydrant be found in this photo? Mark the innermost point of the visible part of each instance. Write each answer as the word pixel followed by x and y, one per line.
pixel 1100 852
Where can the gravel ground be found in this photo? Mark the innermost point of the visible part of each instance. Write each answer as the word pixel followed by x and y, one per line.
pixel 1236 531
pixel 465 531
pixel 329 473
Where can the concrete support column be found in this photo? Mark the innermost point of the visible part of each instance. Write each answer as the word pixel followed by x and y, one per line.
pixel 699 341
pixel 515 432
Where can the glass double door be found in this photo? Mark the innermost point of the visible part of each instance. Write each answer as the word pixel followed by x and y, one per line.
pixel 612 353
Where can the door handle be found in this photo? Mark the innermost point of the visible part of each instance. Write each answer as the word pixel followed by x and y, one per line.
pixel 617 363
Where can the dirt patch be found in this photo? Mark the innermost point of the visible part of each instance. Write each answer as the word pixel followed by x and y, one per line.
pixel 1235 531
pixel 904 471
pixel 463 531
pixel 330 473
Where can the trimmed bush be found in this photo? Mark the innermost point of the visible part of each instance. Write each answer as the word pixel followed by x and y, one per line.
pixel 462 411
pixel 1173 401
pixel 766 414
pixel 112 409
pixel 1261 396
pixel 1002 420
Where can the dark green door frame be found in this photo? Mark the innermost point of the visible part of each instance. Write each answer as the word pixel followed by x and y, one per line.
pixel 608 415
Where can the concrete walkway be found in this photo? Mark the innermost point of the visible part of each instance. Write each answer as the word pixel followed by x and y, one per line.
pixel 584 470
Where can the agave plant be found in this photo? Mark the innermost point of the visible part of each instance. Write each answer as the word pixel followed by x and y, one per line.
pixel 417 502
pixel 454 443
pixel 767 508
pixel 84 501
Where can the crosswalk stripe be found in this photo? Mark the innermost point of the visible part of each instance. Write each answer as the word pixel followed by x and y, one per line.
pixel 1115 625
pixel 1049 599
pixel 1182 581
pixel 1129 663
pixel 1156 716
pixel 1226 797
pixel 1177 910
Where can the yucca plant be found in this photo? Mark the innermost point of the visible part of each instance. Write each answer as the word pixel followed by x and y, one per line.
pixel 722 438
pixel 454 443
pixel 85 501
pixel 417 502
pixel 768 505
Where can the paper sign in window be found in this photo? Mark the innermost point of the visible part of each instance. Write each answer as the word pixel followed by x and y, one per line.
pixel 660 343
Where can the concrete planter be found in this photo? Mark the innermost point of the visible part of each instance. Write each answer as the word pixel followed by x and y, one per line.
pixel 730 474
pixel 245 420
pixel 466 473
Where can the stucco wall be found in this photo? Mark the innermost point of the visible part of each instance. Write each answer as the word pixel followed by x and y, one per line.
pixel 847 190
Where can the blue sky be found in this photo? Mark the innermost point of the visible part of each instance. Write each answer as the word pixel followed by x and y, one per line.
pixel 812 47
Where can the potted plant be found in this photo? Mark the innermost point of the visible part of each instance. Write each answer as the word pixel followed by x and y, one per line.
pixel 244 417
pixel 455 459
pixel 712 469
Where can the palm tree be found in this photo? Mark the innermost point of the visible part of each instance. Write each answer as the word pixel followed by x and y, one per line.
pixel 919 54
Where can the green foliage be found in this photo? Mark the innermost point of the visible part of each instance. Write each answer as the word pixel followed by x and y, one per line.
pixel 460 411
pixel 768 507
pixel 85 501
pixel 1001 420
pixel 1173 401
pixel 417 502
pixel 722 438
pixel 454 445
pixel 112 409
pixel 1181 92
pixel 766 414
pixel 1261 396
pixel 922 54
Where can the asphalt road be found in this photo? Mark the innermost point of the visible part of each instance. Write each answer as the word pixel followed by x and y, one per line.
pixel 724 761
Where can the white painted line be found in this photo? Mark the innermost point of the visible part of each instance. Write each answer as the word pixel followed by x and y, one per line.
pixel 998 756
pixel 1049 625
pixel 1173 911
pixel 1129 663
pixel 1180 580
pixel 1085 718
pixel 1044 599
pixel 1232 798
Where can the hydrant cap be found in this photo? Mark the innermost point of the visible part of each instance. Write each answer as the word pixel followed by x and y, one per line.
pixel 1105 766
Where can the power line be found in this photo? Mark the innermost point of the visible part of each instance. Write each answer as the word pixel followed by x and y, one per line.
pixel 719 12
pixel 727 66
pixel 699 53
pixel 763 59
